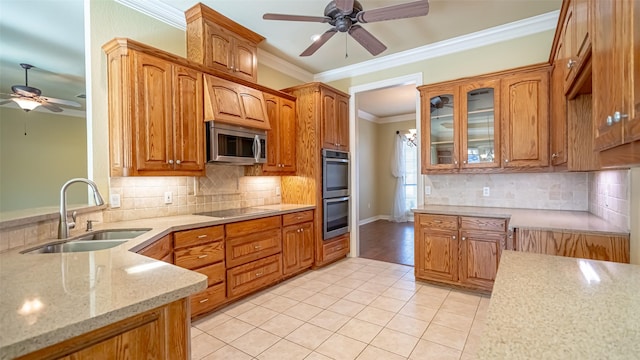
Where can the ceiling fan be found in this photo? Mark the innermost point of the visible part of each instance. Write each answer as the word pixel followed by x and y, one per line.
pixel 344 16
pixel 29 98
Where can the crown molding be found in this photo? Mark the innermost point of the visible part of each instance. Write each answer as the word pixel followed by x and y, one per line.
pixel 159 11
pixel 367 116
pixel 516 29
pixel 277 63
pixel 385 120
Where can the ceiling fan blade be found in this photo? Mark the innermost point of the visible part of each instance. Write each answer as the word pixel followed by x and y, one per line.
pixel 402 11
pixel 368 41
pixel 285 17
pixel 346 6
pixel 318 43
pixel 61 102
pixel 51 107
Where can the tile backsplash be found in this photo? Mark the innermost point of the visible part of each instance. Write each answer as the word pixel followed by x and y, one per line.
pixel 609 196
pixel 223 187
pixel 554 191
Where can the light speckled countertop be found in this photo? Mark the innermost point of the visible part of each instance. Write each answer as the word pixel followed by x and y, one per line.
pixel 72 293
pixel 552 307
pixel 562 220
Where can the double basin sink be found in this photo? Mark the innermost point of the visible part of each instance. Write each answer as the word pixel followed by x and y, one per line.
pixel 97 240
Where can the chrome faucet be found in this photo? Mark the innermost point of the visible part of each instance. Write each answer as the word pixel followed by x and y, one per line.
pixel 64 225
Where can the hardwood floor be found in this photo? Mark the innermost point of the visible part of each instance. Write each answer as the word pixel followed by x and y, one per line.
pixel 387 241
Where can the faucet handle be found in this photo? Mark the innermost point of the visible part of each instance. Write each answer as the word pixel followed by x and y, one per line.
pixel 90 224
pixel 72 224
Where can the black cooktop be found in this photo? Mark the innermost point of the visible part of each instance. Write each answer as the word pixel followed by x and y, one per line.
pixel 233 212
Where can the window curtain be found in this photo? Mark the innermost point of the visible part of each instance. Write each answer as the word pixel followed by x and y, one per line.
pixel 399 211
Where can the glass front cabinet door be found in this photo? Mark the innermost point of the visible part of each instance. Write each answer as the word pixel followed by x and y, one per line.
pixel 439 128
pixel 479 127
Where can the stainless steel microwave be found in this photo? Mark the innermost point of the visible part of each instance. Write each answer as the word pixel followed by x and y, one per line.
pixel 235 144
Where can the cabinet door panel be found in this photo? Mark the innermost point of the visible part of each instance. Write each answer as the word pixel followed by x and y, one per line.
pixel 251 247
pixel 438 254
pixel 245 62
pixel 480 124
pixel 525 115
pixel 217 47
pixel 153 112
pixel 342 120
pixel 329 119
pixel 187 119
pixel 253 276
pixel 305 250
pixel 273 135
pixel 288 135
pixel 480 256
pixel 290 243
pixel 440 134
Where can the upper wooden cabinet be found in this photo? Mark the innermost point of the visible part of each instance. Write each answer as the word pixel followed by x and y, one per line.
pixel 281 152
pixel 488 123
pixel 463 125
pixel 576 39
pixel 616 81
pixel 525 119
pixel 217 42
pixel 235 104
pixel 155 114
pixel 335 120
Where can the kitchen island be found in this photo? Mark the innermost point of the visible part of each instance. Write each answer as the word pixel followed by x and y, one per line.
pixel 552 307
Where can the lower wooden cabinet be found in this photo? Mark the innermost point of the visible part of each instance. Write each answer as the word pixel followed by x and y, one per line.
pixel 297 242
pixel 459 250
pixel 161 249
pixel 335 248
pixel 255 275
pixel 212 297
pixel 161 333
pixel 574 244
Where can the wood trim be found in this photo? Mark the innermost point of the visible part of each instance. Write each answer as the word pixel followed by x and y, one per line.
pixel 315 86
pixel 201 11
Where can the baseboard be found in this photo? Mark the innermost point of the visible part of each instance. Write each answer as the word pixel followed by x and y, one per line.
pixel 380 217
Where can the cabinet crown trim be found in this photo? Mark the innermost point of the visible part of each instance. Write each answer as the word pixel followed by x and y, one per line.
pixel 201 11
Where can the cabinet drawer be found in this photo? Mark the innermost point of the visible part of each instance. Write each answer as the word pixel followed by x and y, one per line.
pixel 252 276
pixel 199 256
pixel 481 223
pixel 159 249
pixel 252 226
pixel 448 222
pixel 244 249
pixel 198 236
pixel 208 299
pixel 296 218
pixel 336 248
pixel 215 273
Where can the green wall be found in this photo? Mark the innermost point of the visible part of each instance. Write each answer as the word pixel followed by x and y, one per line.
pixel 33 167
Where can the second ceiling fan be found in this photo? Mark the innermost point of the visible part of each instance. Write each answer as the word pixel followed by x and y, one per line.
pixel 344 16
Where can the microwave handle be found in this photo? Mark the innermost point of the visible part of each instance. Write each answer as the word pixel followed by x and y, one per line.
pixel 257 148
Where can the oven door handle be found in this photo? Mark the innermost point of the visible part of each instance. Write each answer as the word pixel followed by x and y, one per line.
pixel 338 199
pixel 336 160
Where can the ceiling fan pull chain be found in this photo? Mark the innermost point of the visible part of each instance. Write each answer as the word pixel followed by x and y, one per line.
pixel 346 50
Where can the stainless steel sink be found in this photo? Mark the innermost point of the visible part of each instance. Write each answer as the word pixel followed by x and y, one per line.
pixel 111 234
pixel 75 246
pixel 94 241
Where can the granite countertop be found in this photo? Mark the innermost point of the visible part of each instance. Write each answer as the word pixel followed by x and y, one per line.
pixel 552 307
pixel 49 298
pixel 561 220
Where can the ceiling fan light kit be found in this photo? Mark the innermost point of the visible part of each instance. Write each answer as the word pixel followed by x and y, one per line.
pixel 26 104
pixel 344 16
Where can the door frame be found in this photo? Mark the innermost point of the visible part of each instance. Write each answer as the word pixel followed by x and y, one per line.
pixel 415 78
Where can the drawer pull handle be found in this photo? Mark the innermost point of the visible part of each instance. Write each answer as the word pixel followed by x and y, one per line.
pixel 202 236
pixel 339 248
pixel 257 247
pixel 299 217
pixel 258 274
pixel 203 301
pixel 202 256
pixel 437 221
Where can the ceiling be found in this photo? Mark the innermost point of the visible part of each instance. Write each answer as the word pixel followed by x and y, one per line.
pixel 33 32
pixel 48 34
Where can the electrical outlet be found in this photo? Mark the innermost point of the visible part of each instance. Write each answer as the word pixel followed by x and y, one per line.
pixel 427 190
pixel 168 197
pixel 114 201
pixel 486 191
pixel 278 191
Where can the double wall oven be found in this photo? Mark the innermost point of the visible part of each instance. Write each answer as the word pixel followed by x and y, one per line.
pixel 335 193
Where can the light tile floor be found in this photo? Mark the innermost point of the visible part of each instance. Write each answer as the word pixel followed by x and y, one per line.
pixel 354 309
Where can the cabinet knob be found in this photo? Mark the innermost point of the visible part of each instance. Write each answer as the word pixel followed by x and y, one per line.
pixel 455 162
pixel 464 162
pixel 609 120
pixel 554 155
pixel 453 237
pixel 464 238
pixel 506 160
pixel 178 162
pixel 617 116
pixel 570 63
pixel 171 162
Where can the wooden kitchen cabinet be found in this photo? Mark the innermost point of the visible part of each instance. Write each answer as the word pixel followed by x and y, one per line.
pixel 219 43
pixel 161 333
pixel 461 250
pixel 525 119
pixel 335 120
pixel 576 59
pixel 247 278
pixel 155 114
pixel 203 250
pixel 281 152
pixel 463 125
pixel 297 242
pixel 234 104
pixel 574 244
pixel 161 249
pixel 616 81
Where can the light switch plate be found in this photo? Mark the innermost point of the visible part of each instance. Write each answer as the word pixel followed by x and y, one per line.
pixel 114 201
pixel 168 197
pixel 278 192
pixel 427 190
